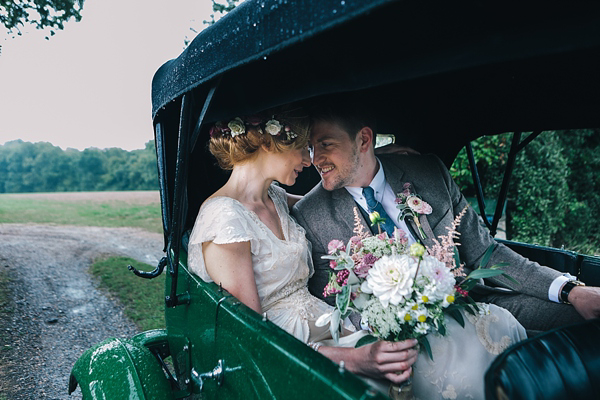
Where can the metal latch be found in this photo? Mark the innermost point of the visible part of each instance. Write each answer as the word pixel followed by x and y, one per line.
pixel 216 374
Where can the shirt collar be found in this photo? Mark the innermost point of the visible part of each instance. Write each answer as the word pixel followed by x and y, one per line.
pixel 378 182
pixel 378 185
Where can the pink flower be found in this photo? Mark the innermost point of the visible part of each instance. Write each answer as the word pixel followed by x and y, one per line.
pixel 356 242
pixel 399 234
pixel 330 290
pixel 362 270
pixel 356 257
pixel 417 205
pixel 342 277
pixel 332 264
pixel 382 236
pixel 369 260
pixel 335 245
pixel 461 291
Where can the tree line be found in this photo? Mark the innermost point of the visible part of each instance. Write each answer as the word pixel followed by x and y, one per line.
pixel 42 167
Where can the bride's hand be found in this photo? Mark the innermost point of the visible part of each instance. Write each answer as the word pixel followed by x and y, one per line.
pixel 390 360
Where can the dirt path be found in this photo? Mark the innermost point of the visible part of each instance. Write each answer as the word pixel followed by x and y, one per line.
pixel 58 310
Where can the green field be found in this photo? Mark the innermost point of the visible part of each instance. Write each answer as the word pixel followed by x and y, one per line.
pixel 118 211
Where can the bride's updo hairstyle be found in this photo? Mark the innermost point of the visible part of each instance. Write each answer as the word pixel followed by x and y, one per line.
pixel 237 140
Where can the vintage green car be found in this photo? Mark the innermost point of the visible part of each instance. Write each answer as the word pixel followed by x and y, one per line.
pixel 448 71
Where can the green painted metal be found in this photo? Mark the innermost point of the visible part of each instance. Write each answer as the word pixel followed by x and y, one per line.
pixel 122 369
pixel 260 360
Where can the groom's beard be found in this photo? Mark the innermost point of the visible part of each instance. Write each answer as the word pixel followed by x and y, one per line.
pixel 345 174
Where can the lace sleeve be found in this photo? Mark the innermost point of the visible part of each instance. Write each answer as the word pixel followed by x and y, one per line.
pixel 221 220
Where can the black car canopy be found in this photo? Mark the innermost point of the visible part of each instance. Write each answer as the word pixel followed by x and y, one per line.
pixel 458 63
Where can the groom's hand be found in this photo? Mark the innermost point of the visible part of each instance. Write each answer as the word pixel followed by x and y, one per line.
pixel 395 149
pixel 390 360
pixel 586 300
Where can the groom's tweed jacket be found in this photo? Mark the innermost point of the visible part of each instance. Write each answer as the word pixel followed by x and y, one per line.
pixel 328 215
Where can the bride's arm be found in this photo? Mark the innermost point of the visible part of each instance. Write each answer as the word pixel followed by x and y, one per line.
pixel 292 199
pixel 231 266
pixel 390 360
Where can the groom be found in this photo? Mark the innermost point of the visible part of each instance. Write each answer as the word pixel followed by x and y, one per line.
pixel 342 146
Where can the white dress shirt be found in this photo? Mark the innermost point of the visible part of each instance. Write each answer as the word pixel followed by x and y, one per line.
pixel 386 196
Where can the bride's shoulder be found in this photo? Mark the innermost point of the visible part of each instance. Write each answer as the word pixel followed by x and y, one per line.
pixel 220 207
pixel 222 218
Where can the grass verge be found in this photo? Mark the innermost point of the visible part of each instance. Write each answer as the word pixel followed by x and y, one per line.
pixel 82 213
pixel 143 300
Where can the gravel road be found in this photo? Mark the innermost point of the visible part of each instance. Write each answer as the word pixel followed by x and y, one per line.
pixel 58 310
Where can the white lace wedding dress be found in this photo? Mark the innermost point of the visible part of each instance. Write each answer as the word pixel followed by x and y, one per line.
pixel 282 269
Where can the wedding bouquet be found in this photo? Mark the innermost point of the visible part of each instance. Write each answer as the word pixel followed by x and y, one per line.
pixel 401 292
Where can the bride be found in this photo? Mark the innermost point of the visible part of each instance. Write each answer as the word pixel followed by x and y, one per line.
pixel 245 239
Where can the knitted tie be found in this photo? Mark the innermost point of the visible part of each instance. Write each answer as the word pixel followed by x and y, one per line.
pixel 374 205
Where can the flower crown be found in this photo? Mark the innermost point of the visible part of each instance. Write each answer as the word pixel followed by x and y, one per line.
pixel 237 126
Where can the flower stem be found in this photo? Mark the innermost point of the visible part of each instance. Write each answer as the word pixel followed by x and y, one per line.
pixel 421 231
pixel 418 265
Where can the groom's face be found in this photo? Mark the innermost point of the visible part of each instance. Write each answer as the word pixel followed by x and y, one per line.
pixel 334 154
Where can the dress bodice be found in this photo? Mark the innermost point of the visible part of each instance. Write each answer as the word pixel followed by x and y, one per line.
pixel 281 267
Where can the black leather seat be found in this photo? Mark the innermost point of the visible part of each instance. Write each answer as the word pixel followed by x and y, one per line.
pixel 560 364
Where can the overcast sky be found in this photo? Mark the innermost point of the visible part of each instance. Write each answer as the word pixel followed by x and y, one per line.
pixel 89 85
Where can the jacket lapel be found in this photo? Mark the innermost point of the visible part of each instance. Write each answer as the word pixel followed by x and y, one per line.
pixel 344 213
pixel 396 179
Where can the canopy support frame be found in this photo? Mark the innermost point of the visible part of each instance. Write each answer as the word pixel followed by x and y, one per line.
pixel 185 145
pixel 516 146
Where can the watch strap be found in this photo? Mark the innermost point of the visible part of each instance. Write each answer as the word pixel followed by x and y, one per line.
pixel 566 289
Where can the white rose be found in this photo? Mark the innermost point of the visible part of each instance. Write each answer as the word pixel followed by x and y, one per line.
pixel 273 127
pixel 391 278
pixel 237 126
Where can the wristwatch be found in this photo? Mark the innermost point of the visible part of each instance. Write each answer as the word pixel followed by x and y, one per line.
pixel 566 289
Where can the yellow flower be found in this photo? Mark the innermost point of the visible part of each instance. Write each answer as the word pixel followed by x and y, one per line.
pixel 422 318
pixel 407 317
pixel 450 298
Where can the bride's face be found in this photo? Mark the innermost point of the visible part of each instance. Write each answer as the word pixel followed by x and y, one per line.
pixel 288 164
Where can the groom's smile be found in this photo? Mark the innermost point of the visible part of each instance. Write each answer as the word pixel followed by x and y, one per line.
pixel 326 169
pixel 334 154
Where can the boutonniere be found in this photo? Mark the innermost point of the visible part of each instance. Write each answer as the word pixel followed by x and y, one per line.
pixel 412 205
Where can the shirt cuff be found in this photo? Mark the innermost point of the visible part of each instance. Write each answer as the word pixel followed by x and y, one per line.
pixel 557 284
